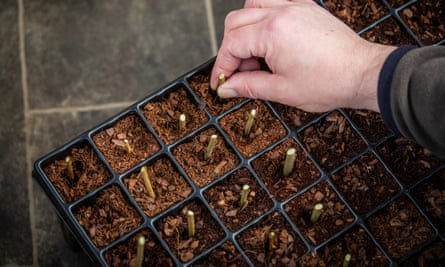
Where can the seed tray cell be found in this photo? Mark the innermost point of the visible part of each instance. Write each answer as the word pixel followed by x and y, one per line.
pixel 383 195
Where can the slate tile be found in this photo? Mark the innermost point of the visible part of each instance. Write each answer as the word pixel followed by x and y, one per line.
pixel 15 234
pixel 90 52
pixel 49 131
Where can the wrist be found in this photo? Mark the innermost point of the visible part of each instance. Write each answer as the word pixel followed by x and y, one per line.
pixel 373 57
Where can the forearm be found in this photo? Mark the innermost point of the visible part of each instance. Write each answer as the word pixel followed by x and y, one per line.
pixel 412 95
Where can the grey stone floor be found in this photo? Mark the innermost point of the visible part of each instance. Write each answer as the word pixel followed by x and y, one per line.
pixel 66 66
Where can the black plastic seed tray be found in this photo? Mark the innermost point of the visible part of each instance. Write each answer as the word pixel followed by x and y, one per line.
pixel 383 196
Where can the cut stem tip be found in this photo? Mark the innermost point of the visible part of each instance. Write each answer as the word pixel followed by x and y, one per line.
pixel 147 182
pixel 221 79
pixel 182 121
pixel 191 223
pixel 69 167
pixel 272 244
pixel 289 162
pixel 315 215
pixel 140 251
pixel 249 122
pixel 346 260
pixel 127 146
pixel 244 194
pixel 210 146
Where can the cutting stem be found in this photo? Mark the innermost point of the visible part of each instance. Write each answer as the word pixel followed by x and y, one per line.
pixel 249 122
pixel 147 182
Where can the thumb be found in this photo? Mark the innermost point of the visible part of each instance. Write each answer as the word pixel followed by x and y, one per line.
pixel 253 84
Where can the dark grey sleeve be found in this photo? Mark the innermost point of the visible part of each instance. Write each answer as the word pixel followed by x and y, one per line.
pixel 417 97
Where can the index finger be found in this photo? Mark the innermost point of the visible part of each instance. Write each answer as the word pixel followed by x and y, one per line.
pixel 238 44
pixel 264 3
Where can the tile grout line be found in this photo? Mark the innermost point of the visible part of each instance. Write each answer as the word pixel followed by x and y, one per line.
pixel 211 23
pixel 40 111
pixel 24 81
pixel 28 112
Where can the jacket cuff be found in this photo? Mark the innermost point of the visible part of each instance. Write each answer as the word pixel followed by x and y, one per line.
pixel 384 85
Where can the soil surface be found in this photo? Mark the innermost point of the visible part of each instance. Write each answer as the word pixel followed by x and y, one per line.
pixel 389 32
pixel 173 229
pixel 224 255
pixel 108 216
pixel 397 3
pixel 334 217
pixel 400 228
pixel 332 141
pixel 89 173
pixel 266 129
pixel 255 242
pixel 224 199
pixel 111 143
pixel 200 84
pixel 355 242
pixel 432 255
pixel 357 14
pixel 163 114
pixel 269 168
pixel 169 186
pixel 426 19
pixel 365 184
pixel 294 117
pixel 430 194
pixel 407 160
pixel 370 124
pixel 191 155
pixel 125 253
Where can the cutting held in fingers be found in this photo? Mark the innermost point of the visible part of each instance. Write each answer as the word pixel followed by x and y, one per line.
pixel 242 41
pixel 221 79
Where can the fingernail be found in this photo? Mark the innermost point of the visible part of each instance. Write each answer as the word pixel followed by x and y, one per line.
pixel 225 92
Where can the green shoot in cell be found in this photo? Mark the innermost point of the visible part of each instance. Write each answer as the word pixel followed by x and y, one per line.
pixel 316 212
pixel 127 146
pixel 147 182
pixel 272 241
pixel 69 168
pixel 140 251
pixel 289 162
pixel 346 260
pixel 249 122
pixel 182 122
pixel 244 194
pixel 191 223
pixel 210 146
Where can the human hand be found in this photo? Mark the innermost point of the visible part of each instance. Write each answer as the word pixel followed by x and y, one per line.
pixel 317 63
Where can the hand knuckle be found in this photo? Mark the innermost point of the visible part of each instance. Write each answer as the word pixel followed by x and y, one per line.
pixel 229 19
pixel 249 91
